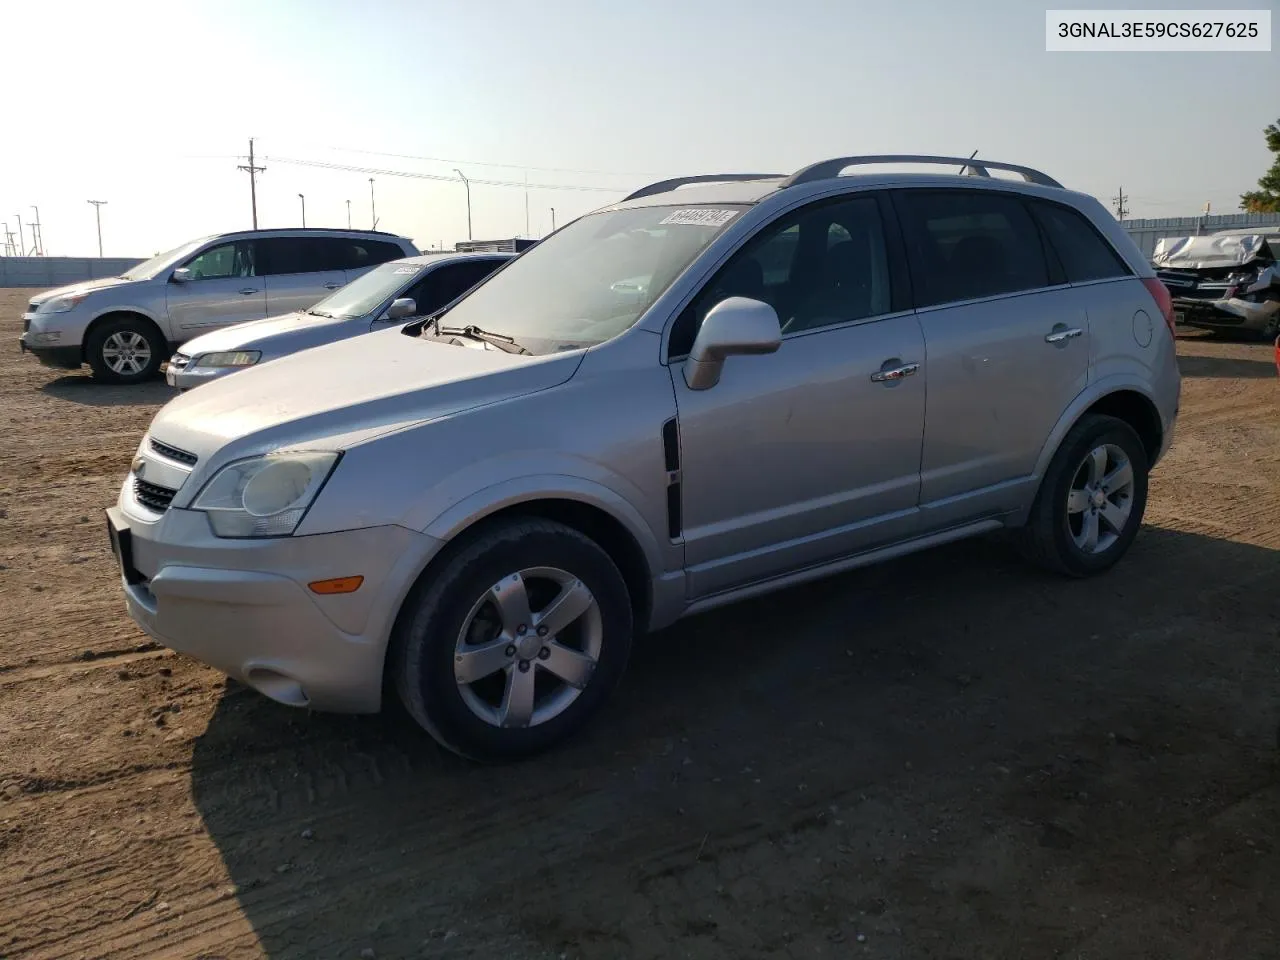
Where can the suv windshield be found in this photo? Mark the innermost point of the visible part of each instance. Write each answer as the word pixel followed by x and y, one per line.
pixel 150 268
pixel 363 294
pixel 591 280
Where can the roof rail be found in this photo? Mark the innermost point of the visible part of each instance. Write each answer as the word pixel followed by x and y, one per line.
pixel 826 169
pixel 664 186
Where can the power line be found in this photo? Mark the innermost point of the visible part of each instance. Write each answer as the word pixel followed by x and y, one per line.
pixel 351 168
pixel 483 163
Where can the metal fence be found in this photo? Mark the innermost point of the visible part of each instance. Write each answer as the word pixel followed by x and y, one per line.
pixel 59 271
pixel 1145 233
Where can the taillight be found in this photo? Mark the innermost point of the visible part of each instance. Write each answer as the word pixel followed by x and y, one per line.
pixel 1164 300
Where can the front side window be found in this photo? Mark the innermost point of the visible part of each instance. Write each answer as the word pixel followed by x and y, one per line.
pixel 966 244
pixel 368 291
pixel 446 283
pixel 223 261
pixel 822 265
pixel 594 278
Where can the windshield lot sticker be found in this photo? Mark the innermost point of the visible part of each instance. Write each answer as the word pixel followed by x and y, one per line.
pixel 407 269
pixel 700 216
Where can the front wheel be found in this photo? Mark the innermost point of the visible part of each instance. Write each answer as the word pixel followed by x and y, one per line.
pixel 517 641
pixel 1091 499
pixel 125 350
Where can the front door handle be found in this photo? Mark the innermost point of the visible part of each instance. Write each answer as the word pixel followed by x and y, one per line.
pixel 248 290
pixel 894 374
pixel 1062 336
pixel 332 286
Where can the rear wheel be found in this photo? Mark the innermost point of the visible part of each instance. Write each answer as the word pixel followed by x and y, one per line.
pixel 124 350
pixel 1091 500
pixel 517 642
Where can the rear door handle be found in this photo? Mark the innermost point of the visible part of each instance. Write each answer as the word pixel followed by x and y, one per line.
pixel 894 374
pixel 1062 336
pixel 248 290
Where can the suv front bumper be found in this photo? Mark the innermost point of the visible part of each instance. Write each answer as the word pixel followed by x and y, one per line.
pixel 244 607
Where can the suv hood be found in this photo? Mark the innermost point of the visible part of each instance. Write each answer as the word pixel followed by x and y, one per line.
pixel 296 330
pixel 83 285
pixel 341 393
pixel 1206 253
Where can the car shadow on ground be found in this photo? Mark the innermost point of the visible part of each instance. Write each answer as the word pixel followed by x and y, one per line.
pixel 81 388
pixel 1225 367
pixel 950 748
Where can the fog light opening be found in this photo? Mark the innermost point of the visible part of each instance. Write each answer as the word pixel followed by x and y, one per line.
pixel 277 686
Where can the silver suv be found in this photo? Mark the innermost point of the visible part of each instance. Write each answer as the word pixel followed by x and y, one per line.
pixel 124 327
pixel 686 398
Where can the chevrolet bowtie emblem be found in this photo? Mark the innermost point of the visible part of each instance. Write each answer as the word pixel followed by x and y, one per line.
pixel 138 465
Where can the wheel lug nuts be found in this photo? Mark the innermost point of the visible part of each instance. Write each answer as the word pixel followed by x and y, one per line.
pixel 524 666
pixel 542 631
pixel 511 651
pixel 522 629
pixel 544 653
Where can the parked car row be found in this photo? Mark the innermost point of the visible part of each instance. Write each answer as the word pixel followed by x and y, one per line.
pixel 717 387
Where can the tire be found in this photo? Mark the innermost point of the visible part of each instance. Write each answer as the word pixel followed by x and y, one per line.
pixel 139 351
pixel 1057 525
pixel 428 647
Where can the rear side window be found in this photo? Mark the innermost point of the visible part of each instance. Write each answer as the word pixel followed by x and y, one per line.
pixel 1080 248
pixel 281 255
pixel 966 244
pixel 370 253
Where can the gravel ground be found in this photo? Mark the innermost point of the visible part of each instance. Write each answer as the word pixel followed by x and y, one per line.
pixel 948 756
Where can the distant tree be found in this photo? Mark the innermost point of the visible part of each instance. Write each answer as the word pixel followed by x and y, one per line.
pixel 1266 200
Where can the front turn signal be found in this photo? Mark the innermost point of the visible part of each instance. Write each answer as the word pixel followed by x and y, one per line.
pixel 336 585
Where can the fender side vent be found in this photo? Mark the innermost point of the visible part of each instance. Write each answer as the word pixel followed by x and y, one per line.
pixel 671 456
pixel 671 445
pixel 673 511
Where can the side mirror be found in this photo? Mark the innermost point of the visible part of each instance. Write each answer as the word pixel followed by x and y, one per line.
pixel 736 326
pixel 401 307
pixel 181 275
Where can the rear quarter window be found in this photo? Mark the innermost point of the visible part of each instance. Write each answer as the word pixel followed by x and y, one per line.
pixel 1082 251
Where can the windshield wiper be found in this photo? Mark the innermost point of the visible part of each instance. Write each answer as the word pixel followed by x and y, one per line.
pixel 499 340
pixel 321 313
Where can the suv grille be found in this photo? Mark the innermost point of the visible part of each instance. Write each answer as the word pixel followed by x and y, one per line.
pixel 173 453
pixel 151 495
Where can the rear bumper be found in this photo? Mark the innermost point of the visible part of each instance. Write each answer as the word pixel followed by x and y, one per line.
pixel 244 608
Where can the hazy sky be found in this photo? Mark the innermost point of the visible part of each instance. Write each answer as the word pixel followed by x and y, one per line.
pixel 148 106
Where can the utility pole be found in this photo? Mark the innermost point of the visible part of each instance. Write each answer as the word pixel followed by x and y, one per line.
pixel 466 183
pixel 36 236
pixel 253 182
pixel 97 210
pixel 1121 210
pixel 304 209
pixel 8 240
pixel 373 209
pixel 526 203
pixel 348 214
pixel 22 239
pixel 553 219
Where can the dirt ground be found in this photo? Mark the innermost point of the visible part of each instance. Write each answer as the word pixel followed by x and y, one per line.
pixel 949 756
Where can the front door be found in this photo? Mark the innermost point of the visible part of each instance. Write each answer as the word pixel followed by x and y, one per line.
pixel 224 288
pixel 811 453
pixel 1008 344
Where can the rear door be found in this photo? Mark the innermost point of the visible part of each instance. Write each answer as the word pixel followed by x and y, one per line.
pixel 1007 342
pixel 225 288
pixel 300 271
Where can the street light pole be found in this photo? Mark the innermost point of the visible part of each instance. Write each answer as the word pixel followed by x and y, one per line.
pixel 466 183
pixel 22 240
pixel 348 214
pixel 97 212
pixel 304 209
pixel 373 210
pixel 553 219
pixel 37 235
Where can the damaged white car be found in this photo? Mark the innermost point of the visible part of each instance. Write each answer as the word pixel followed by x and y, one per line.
pixel 1225 281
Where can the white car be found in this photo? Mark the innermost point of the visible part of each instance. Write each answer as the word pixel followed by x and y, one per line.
pixel 391 293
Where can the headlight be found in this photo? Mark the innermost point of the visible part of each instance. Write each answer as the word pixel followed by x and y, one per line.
pixel 64 303
pixel 264 496
pixel 235 358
